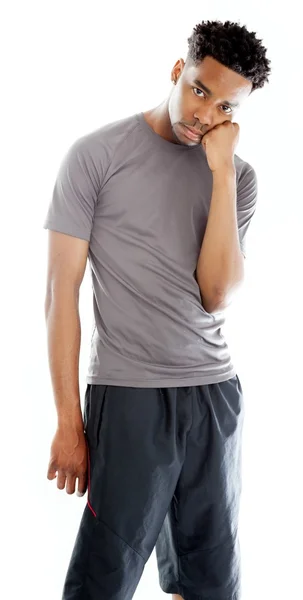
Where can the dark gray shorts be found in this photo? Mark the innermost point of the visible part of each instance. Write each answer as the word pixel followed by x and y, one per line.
pixel 164 472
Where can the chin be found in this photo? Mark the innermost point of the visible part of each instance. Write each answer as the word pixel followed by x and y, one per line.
pixel 181 139
pixel 192 143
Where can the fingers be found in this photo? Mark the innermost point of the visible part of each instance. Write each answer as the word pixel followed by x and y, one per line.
pixel 82 484
pixel 61 479
pixel 68 480
pixel 70 484
pixel 52 470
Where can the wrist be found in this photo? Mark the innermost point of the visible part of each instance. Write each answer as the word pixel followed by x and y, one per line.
pixel 70 421
pixel 227 170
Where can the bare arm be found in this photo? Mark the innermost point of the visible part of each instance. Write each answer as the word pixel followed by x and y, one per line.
pixel 220 268
pixel 67 259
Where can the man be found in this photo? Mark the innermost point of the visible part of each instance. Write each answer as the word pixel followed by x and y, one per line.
pixel 160 203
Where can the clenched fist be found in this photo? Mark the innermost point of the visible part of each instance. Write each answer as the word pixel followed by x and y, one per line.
pixel 220 143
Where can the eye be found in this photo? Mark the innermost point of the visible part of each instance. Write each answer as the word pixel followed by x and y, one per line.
pixel 229 108
pixel 223 105
pixel 198 91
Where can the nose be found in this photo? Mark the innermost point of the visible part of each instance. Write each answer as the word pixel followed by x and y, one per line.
pixel 204 119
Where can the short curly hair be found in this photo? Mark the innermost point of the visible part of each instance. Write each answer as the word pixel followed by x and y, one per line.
pixel 233 46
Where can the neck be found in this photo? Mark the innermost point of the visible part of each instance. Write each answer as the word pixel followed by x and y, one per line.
pixel 158 119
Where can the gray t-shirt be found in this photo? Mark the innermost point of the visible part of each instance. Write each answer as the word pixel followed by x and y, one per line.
pixel 142 202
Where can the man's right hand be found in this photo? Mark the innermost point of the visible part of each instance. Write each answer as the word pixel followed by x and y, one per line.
pixel 69 459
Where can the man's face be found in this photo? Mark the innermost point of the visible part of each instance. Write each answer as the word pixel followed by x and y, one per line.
pixel 191 105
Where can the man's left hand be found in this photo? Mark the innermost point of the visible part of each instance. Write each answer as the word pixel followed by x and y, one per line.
pixel 219 144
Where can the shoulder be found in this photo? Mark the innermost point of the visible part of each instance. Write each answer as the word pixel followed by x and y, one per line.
pixel 96 149
pixel 107 137
pixel 244 171
pixel 247 184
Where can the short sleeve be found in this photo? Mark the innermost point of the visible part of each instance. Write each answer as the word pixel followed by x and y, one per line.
pixel 247 191
pixel 74 197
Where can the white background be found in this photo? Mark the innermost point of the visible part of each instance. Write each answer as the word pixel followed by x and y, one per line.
pixel 69 67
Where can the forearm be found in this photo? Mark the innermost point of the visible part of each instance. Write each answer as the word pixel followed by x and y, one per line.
pixel 220 263
pixel 63 339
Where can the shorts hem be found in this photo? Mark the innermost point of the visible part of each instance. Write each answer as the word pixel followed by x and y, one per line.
pixel 177 588
pixel 170 588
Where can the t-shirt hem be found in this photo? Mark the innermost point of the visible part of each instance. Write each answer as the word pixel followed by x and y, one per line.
pixel 156 383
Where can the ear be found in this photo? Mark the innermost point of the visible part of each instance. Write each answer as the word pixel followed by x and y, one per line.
pixel 177 70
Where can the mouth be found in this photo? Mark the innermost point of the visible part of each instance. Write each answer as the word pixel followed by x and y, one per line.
pixel 192 134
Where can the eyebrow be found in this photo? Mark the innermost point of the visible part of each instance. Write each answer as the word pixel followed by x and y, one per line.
pixel 209 92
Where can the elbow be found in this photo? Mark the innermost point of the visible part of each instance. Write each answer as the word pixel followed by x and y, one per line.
pixel 209 301
pixel 47 304
pixel 212 304
pixel 218 302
